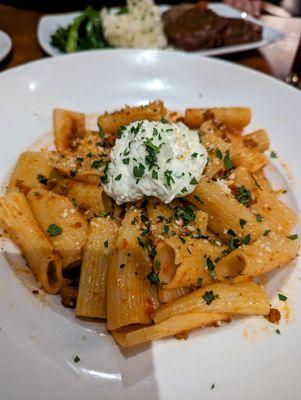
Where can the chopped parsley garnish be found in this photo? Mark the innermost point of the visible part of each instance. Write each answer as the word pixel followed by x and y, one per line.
pixel 149 144
pixel 97 164
pixel 233 244
pixel 212 386
pixel 200 281
pixel 227 161
pixel 165 228
pixel 73 172
pixel 118 177
pixel 211 268
pixel 79 160
pixel 105 177
pixel 153 278
pixel 266 233
pixel 246 239
pixel 273 154
pixel 42 179
pixel 219 154
pixel 187 214
pixel 138 171
pixel 54 230
pixel 243 195
pixel 168 177
pixel 242 222
pixel 101 132
pixel 184 190
pixel 182 239
pixel 157 266
pixel 155 174
pixel 152 151
pixel 282 297
pixel 135 129
pixel 155 132
pixel 106 244
pixel 126 161
pixel 293 237
pixel 121 266
pixel 164 121
pixel 103 213
pixel 208 297
pixel 145 232
pixel 76 359
pixel 89 155
pixel 140 242
pixel 259 218
pixel 277 331
pixel 151 250
pixel 194 155
pixel 193 181
pixel 231 232
pixel 120 131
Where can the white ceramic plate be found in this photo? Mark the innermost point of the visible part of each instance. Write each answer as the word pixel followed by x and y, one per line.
pixel 39 338
pixel 49 23
pixel 5 45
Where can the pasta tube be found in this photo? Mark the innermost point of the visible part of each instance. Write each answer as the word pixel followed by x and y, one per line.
pixel 128 295
pixel 267 253
pixel 186 264
pixel 170 326
pixel 233 117
pixel 225 212
pixel 32 170
pixel 258 139
pixel 64 225
pixel 91 299
pixel 23 229
pixel 67 126
pixel 110 122
pixel 241 298
pixel 90 199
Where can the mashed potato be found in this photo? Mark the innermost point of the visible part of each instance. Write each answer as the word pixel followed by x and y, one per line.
pixel 140 27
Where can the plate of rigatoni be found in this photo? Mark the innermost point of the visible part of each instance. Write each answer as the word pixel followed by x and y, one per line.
pixel 149 229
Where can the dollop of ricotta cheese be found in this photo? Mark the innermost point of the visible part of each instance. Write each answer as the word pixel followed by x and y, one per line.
pixel 154 159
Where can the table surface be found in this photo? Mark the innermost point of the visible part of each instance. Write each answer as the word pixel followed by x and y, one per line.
pixel 275 59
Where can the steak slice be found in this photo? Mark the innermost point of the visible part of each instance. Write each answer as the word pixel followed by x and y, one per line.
pixel 239 31
pixel 194 27
pixel 191 27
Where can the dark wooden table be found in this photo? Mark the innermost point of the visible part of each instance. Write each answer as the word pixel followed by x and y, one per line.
pixel 275 59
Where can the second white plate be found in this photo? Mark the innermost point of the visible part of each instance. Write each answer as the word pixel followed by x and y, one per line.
pixel 5 45
pixel 49 23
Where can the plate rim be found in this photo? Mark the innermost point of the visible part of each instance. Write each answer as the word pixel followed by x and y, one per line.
pixel 164 53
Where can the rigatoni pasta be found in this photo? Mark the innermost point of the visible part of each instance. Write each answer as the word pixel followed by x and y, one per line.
pixel 152 269
pixel 241 298
pixel 33 170
pixel 128 294
pixel 91 300
pixel 61 222
pixel 42 258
